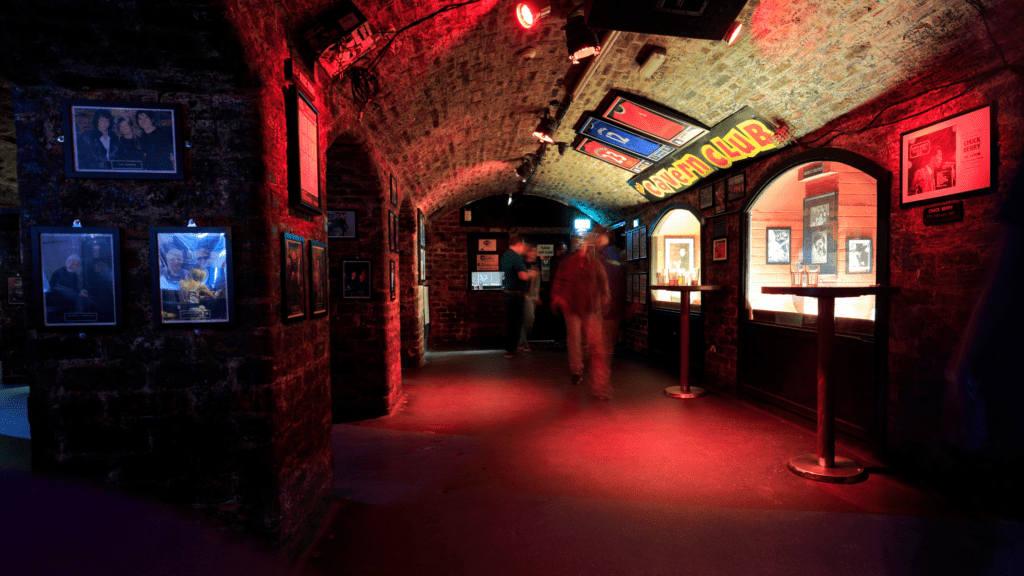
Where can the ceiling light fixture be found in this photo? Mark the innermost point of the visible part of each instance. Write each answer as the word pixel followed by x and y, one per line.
pixel 529 13
pixel 733 33
pixel 580 40
pixel 545 131
pixel 526 168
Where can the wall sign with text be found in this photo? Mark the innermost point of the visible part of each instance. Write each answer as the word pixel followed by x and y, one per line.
pixel 624 138
pixel 652 120
pixel 612 155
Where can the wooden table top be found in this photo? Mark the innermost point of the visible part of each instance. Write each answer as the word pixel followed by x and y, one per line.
pixel 831 291
pixel 700 288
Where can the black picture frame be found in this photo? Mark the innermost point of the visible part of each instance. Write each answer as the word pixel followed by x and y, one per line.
pixel 142 140
pixel 393 190
pixel 15 291
pixel 391 270
pixel 820 216
pixel 966 145
pixel 303 151
pixel 706 197
pixel 393 231
pixel 860 254
pixel 642 240
pixel 76 274
pixel 422 242
pixel 778 245
pixel 342 225
pixel 318 290
pixel 357 279
pixel 736 186
pixel 191 275
pixel 629 244
pixel 293 276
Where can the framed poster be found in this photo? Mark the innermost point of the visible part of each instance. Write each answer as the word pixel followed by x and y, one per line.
pixel 393 188
pixel 293 276
pixel 191 273
pixel 778 245
pixel 393 231
pixel 116 139
pixel 77 277
pixel 317 278
pixel 391 270
pixel 636 289
pixel 706 197
pixel 643 288
pixel 629 245
pixel 859 255
pixel 679 256
pixel 719 188
pixel 356 279
pixel 15 291
pixel 422 241
pixel 642 240
pixel 487 245
pixel 629 288
pixel 950 157
pixel 820 230
pixel 736 187
pixel 303 151
pixel 720 249
pixel 635 252
pixel 341 224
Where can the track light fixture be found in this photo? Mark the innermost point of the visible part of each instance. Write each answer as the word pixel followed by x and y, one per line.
pixel 580 40
pixel 526 168
pixel 529 13
pixel 733 33
pixel 545 131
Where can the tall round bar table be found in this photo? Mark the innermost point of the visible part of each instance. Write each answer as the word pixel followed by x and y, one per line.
pixel 824 466
pixel 684 390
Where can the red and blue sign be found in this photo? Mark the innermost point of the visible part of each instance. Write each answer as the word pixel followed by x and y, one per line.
pixel 624 139
pixel 613 156
pixel 644 118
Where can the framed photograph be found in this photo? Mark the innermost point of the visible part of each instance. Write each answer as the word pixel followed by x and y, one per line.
pixel 636 289
pixel 303 151
pixel 391 275
pixel 629 288
pixel 356 279
pixel 643 288
pixel 114 139
pixel 635 252
pixel 393 231
pixel 859 255
pixel 720 249
pixel 341 224
pixel 719 188
pixel 191 273
pixel 950 157
pixel 15 291
pixel 629 244
pixel 737 187
pixel 317 278
pixel 706 197
pixel 293 276
pixel 422 242
pixel 77 277
pixel 778 245
pixel 642 240
pixel 487 245
pixel 820 229
pixel 679 256
pixel 394 191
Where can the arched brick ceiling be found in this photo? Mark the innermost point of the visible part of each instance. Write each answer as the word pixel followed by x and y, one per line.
pixel 457 104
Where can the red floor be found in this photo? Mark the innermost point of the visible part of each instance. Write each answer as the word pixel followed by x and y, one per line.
pixel 497 466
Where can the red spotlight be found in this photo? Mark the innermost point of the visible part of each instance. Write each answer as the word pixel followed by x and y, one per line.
pixel 529 13
pixel 733 33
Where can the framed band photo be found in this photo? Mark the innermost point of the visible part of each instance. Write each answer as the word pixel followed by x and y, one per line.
pixel 393 189
pixel 191 274
pixel 77 277
pixel 115 139
pixel 357 279
pixel 859 255
pixel 391 270
pixel 303 151
pixel 341 224
pixel 950 157
pixel 317 278
pixel 293 276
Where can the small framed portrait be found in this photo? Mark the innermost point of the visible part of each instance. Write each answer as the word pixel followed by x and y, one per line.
pixel 820 231
pixel 112 139
pixel 393 231
pixel 719 188
pixel 391 276
pixel 293 276
pixel 77 277
pixel 341 224
pixel 357 279
pixel 737 187
pixel 706 197
pixel 951 157
pixel 778 245
pixel 720 249
pixel 393 188
pixel 15 291
pixel 642 240
pixel 317 278
pixel 190 269
pixel 859 255
pixel 303 151
pixel 679 256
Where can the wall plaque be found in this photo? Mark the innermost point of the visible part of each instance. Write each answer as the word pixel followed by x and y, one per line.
pixel 944 213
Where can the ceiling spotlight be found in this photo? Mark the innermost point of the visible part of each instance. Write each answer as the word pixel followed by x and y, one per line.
pixel 580 40
pixel 529 13
pixel 545 131
pixel 525 169
pixel 562 147
pixel 733 33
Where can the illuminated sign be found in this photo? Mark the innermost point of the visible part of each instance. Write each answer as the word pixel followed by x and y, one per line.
pixel 742 136
pixel 652 120
pixel 619 158
pixel 625 139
